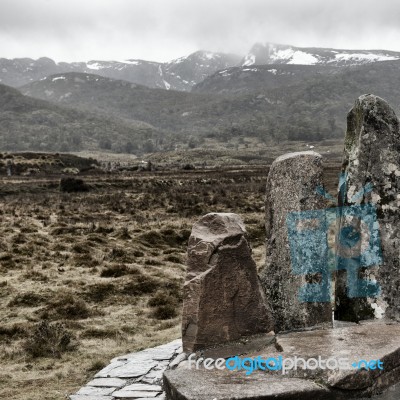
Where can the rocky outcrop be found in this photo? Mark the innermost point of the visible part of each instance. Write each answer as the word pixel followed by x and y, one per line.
pixel 368 276
pixel 223 299
pixel 296 276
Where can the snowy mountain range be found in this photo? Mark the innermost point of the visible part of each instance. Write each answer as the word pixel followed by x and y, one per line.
pixel 180 74
pixel 269 53
pixel 186 72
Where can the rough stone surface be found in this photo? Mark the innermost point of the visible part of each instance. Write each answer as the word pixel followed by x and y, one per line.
pixel 143 387
pixel 177 360
pixel 209 385
pixel 96 391
pixel 223 299
pixel 142 373
pixel 372 157
pixel 87 397
pixel 107 382
pixel 291 187
pixel 134 394
pixel 370 340
pixel 132 369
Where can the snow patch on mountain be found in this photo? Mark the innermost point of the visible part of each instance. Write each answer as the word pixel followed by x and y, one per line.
pixel 131 62
pixel 224 72
pixel 94 65
pixel 300 57
pixel 250 69
pixel 178 60
pixel 209 56
pixel 167 85
pixel 268 53
pixel 292 56
pixel 368 57
pixel 250 59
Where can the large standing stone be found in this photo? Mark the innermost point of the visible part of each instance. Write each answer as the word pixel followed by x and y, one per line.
pixel 296 276
pixel 223 299
pixel 371 167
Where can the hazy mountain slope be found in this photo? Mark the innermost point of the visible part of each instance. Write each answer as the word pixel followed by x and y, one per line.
pixel 307 104
pixel 270 53
pixel 32 124
pixel 185 116
pixel 18 71
pixel 183 73
pixel 165 109
pixel 382 77
pixel 180 74
pixel 261 77
pixel 178 114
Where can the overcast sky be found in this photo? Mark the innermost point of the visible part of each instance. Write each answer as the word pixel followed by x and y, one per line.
pixel 161 30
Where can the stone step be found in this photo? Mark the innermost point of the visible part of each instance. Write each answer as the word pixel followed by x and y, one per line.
pixel 369 340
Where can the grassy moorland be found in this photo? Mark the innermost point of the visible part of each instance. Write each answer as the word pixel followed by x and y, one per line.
pixel 90 275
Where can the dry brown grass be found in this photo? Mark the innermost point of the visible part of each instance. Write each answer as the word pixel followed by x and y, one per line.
pixel 108 264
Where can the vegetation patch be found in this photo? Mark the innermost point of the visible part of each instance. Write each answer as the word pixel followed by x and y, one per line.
pixel 66 306
pixel 49 340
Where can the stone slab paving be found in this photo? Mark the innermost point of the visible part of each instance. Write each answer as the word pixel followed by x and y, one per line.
pixel 133 376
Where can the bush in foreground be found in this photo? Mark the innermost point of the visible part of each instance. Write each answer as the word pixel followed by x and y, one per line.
pixel 49 340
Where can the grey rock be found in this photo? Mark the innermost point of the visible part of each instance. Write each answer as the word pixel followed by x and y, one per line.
pixel 131 369
pixel 143 387
pixel 160 354
pixel 129 394
pixel 163 352
pixel 207 385
pixel 107 382
pixel 146 367
pixel 177 360
pixel 96 391
pixel 140 356
pixel 291 187
pixel 161 365
pixel 85 397
pixel 104 373
pixel 371 157
pixel 369 340
pixel 153 377
pixel 223 299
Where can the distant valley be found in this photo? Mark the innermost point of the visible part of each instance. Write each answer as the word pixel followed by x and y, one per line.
pixel 206 100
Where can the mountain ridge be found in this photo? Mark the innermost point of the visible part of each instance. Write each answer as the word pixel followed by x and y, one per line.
pixel 272 53
pixel 188 71
pixel 179 74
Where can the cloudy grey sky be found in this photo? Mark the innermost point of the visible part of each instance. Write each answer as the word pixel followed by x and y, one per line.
pixel 161 30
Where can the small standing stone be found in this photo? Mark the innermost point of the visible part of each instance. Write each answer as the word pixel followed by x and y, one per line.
pixel 223 299
pixel 368 281
pixel 296 261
